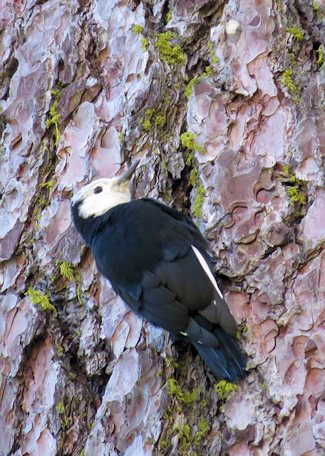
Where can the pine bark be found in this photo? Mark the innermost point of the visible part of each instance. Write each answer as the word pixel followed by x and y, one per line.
pixel 223 103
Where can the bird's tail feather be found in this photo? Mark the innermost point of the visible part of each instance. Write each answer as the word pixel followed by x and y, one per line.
pixel 226 361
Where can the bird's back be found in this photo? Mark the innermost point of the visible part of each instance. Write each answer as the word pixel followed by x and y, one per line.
pixel 150 253
pixel 139 234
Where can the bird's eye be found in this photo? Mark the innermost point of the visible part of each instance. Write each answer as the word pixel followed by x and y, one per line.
pixel 98 189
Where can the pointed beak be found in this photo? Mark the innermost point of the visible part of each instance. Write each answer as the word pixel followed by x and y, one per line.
pixel 128 174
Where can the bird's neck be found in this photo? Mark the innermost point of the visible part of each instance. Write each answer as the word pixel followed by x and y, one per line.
pixel 87 227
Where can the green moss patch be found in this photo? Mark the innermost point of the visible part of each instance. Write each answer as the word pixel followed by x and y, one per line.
pixel 137 29
pixel 297 33
pixel 40 299
pixel 224 388
pixel 188 140
pixel 168 51
pixel 54 117
pixel 294 88
pixel 295 187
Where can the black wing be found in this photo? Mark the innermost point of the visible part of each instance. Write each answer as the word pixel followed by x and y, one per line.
pixel 146 250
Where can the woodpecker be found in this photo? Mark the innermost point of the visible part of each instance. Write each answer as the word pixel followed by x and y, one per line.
pixel 157 260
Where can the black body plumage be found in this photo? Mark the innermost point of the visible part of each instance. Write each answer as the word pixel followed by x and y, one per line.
pixel 146 251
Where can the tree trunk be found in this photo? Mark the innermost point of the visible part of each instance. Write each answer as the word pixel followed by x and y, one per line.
pixel 223 103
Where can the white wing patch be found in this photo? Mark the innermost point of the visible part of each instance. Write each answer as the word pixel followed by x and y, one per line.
pixel 206 269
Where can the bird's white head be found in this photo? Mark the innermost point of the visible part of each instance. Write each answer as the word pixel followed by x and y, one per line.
pixel 96 198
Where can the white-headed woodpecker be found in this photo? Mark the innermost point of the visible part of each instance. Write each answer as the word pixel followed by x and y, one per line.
pixel 157 261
